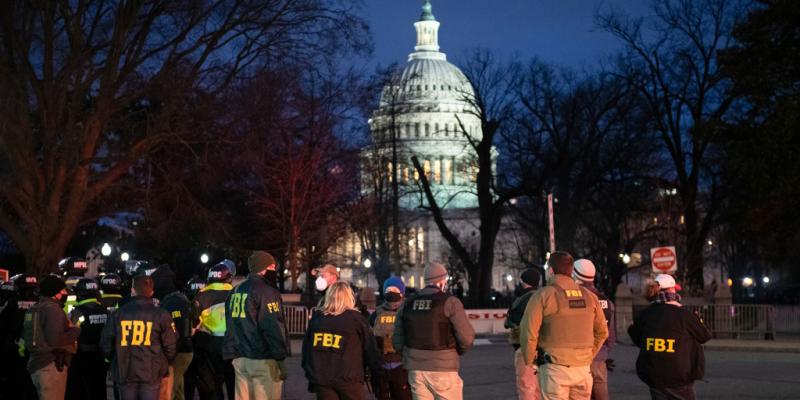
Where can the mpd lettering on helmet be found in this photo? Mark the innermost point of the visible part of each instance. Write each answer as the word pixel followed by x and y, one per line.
pixel 135 331
pixel 660 345
pixel 215 274
pixel 328 340
pixel 422 305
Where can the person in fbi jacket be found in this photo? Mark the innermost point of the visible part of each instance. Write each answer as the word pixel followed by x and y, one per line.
pixel 255 332
pixel 337 347
pixel 141 339
pixel 669 338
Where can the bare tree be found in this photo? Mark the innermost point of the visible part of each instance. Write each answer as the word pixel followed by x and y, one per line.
pixel 493 104
pixel 584 138
pixel 90 87
pixel 300 171
pixel 671 59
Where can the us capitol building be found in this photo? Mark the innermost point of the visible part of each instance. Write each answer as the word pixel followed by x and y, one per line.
pixel 426 108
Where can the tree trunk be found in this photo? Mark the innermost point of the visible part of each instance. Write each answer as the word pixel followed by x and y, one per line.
pixel 294 258
pixel 693 271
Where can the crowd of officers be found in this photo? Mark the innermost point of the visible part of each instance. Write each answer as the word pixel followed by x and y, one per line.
pixel 81 338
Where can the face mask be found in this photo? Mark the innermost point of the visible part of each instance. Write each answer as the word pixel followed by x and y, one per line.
pixel 271 277
pixel 393 297
pixel 321 284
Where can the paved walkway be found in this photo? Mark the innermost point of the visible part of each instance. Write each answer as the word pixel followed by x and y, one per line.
pixel 735 369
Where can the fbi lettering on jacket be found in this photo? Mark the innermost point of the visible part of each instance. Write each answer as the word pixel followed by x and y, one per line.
pixel 660 345
pixel 327 340
pixel 135 333
pixel 422 305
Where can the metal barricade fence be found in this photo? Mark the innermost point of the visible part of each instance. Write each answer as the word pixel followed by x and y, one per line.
pixel 296 318
pixel 787 319
pixel 733 320
pixel 737 320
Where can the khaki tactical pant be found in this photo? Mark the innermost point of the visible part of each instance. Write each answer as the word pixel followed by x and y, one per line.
pixel 165 389
pixel 178 369
pixel 435 385
pixel 527 382
pixel 50 383
pixel 560 382
pixel 257 379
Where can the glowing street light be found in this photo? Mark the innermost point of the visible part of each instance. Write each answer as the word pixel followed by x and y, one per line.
pixel 367 263
pixel 747 281
pixel 509 278
pixel 105 250
pixel 626 258
pixel 124 256
pixel 204 258
pixel 765 279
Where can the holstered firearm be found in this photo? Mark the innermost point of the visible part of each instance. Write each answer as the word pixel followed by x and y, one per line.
pixel 542 358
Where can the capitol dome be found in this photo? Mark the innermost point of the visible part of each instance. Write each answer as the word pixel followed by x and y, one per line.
pixel 428 80
pixel 427 108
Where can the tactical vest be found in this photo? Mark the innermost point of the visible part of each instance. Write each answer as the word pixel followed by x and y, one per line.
pixel 572 324
pixel 25 304
pixel 94 318
pixel 425 324
pixel 383 330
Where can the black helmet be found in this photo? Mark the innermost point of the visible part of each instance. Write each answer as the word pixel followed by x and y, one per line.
pixel 7 290
pixel 86 286
pixel 194 286
pixel 143 268
pixel 72 266
pixel 219 273
pixel 111 283
pixel 25 282
pixel 7 286
pixel 230 264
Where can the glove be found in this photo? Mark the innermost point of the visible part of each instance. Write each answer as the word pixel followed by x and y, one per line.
pixel 282 372
pixel 610 364
pixel 21 347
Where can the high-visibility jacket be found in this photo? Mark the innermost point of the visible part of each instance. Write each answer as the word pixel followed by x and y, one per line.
pixel 210 304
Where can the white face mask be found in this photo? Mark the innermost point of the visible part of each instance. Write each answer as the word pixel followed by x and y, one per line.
pixel 321 283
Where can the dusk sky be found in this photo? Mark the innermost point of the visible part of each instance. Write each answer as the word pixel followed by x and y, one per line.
pixel 557 31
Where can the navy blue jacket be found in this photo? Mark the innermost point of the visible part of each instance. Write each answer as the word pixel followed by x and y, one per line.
pixel 254 321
